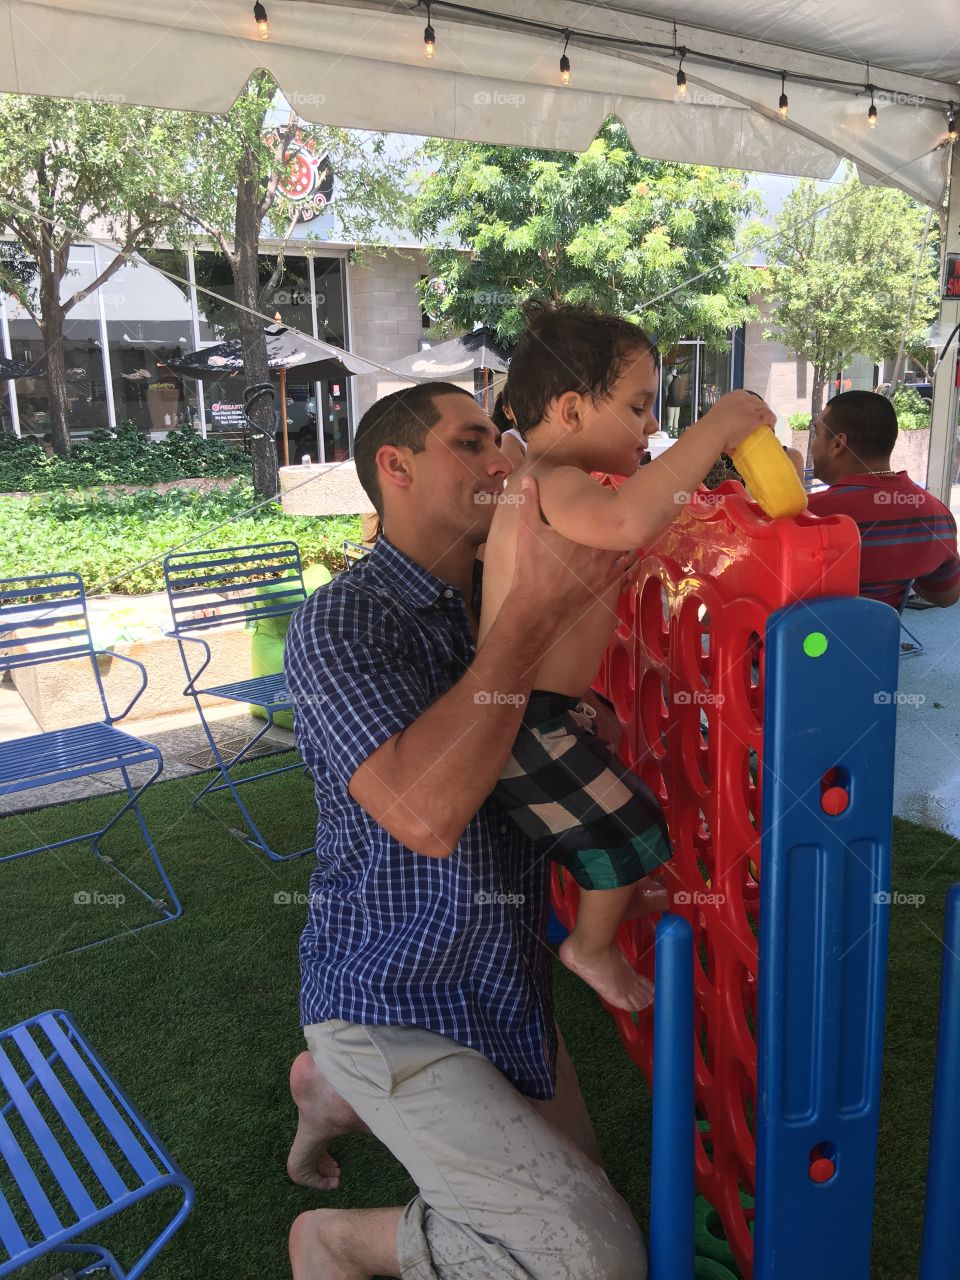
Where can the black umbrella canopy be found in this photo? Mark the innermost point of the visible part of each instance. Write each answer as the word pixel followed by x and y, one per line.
pixel 481 349
pixel 304 359
pixel 18 369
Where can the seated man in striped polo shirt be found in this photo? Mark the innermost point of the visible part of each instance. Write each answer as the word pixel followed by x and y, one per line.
pixel 906 534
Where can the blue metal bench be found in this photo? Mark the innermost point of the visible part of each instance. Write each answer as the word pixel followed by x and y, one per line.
pixel 218 588
pixel 43 619
pixel 74 1152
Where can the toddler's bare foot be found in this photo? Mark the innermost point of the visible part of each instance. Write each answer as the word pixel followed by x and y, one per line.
pixel 323 1116
pixel 609 974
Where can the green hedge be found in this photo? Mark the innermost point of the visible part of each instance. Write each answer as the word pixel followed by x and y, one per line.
pixel 116 541
pixel 125 456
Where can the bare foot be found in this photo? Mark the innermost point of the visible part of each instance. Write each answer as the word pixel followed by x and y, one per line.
pixel 315 1252
pixel 609 974
pixel 323 1116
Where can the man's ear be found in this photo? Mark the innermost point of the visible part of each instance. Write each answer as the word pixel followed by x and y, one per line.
pixel 393 464
pixel 568 410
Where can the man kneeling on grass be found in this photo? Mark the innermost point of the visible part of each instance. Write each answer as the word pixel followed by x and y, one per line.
pixel 426 993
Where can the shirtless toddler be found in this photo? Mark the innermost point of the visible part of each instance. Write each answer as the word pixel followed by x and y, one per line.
pixel 582 387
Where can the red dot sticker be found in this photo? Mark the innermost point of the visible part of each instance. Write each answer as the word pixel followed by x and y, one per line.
pixel 834 800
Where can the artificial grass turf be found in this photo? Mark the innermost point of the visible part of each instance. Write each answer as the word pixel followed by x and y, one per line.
pixel 197 1019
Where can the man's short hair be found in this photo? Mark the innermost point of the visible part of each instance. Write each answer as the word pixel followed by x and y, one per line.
pixel 868 420
pixel 567 347
pixel 403 419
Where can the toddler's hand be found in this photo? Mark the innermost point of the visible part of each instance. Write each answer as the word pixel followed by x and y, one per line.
pixel 736 416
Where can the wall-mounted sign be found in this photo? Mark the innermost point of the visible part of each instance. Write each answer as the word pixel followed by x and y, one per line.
pixel 308 182
pixel 951 276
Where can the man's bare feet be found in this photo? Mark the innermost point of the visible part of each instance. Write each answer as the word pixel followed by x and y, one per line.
pixel 609 974
pixel 323 1116
pixel 344 1244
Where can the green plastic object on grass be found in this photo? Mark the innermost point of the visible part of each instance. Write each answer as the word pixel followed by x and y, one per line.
pixel 270 635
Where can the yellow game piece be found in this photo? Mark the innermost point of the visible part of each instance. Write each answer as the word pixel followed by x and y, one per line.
pixel 769 474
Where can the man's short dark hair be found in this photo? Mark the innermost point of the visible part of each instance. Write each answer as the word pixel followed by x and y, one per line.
pixel 567 347
pixel 868 420
pixel 403 419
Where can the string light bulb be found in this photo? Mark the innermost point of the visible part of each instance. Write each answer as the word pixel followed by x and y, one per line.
pixel 429 37
pixel 565 76
pixel 872 113
pixel 681 78
pixel 951 122
pixel 260 17
pixel 783 106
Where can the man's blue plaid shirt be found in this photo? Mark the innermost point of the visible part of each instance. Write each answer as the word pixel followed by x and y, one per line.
pixel 454 944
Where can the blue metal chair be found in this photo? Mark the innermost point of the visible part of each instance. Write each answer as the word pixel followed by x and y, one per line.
pixel 354 551
pixel 218 588
pixel 74 1152
pixel 913 646
pixel 43 619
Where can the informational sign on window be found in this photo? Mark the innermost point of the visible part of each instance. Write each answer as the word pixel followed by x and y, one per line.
pixel 226 417
pixel 951 276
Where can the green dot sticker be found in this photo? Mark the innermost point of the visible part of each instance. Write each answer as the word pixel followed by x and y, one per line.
pixel 815 644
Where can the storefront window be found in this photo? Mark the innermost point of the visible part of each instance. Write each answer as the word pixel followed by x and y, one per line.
pixel 149 322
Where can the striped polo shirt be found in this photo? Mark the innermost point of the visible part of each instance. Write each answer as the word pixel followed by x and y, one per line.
pixel 906 534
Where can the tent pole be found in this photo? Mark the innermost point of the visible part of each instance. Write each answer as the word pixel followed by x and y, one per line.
pixel 283 416
pixel 943 415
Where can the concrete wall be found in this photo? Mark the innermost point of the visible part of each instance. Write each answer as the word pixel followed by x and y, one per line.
pixel 784 380
pixel 385 315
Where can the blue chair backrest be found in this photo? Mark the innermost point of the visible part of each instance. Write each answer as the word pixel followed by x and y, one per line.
pixel 217 588
pixel 43 618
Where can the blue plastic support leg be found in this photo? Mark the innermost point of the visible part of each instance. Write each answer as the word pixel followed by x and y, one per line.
pixel 939 1256
pixel 672 1191
pixel 828 752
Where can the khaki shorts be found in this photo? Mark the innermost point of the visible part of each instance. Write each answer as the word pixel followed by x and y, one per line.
pixel 504 1194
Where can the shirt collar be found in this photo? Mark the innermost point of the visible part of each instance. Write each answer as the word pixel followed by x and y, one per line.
pixel 417 586
pixel 864 477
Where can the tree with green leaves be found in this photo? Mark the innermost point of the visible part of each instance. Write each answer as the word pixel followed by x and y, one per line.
pixel 642 238
pixel 846 276
pixel 70 168
pixel 241 165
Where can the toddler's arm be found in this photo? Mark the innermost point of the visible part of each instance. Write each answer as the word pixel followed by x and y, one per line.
pixel 594 515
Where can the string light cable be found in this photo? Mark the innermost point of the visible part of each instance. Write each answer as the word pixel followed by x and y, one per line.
pixel 668 49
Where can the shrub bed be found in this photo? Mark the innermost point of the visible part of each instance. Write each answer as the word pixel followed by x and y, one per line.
pixel 116 542
pixel 125 456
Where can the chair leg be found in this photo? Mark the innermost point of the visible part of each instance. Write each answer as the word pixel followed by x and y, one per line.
pixel 913 647
pixel 255 836
pixel 133 805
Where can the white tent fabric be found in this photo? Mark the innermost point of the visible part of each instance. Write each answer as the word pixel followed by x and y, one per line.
pixel 362 65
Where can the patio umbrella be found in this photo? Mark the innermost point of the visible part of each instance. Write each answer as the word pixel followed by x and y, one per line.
pixel 18 369
pixel 480 349
pixel 287 351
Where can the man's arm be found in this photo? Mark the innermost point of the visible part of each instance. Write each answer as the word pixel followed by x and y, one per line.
pixel 943 599
pixel 425 784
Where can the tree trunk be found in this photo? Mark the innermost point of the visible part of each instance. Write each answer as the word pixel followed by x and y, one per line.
pixel 51 318
pixel 253 341
pixel 820 375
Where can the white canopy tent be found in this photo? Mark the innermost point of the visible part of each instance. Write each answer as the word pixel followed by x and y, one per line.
pixel 495 78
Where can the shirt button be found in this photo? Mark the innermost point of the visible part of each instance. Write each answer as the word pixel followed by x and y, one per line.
pixel 448 593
